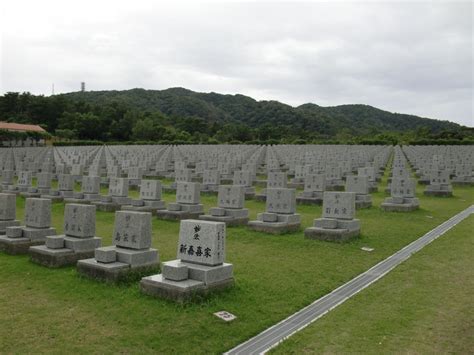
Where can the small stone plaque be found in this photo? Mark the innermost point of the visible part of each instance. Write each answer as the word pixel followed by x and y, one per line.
pixel 225 316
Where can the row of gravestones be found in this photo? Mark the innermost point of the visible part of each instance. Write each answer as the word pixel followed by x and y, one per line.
pixel 199 268
pixel 163 160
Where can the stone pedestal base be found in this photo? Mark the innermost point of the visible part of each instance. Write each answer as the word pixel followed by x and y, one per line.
pixel 395 207
pixel 302 200
pixel 30 194
pixel 106 206
pixel 260 197
pixel 228 220
pixel 179 291
pixel 178 212
pixel 17 246
pixel 77 200
pixel 114 272
pixel 331 235
pixel 274 227
pixel 5 224
pixel 438 193
pixel 197 280
pixel 54 198
pixel 54 258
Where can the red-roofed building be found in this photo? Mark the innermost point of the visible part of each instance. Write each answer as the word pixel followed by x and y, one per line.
pixel 21 127
pixel 26 136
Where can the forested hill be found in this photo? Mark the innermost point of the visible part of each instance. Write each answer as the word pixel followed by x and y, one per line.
pixel 180 115
pixel 213 107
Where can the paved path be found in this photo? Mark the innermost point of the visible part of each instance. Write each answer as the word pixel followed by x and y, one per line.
pixel 279 332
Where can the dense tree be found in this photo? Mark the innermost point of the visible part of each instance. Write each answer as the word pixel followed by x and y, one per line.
pixel 178 114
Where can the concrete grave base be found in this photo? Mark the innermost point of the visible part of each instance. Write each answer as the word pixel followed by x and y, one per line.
pixel 54 258
pixel 396 207
pixel 152 210
pixel 178 215
pixel 115 271
pixel 181 281
pixel 373 189
pixel 106 206
pixel 30 194
pixel 17 246
pixel 301 200
pixel 54 199
pixel 228 220
pixel 5 224
pixel 77 200
pixel 180 291
pixel 438 193
pixel 331 235
pixel 260 197
pixel 274 227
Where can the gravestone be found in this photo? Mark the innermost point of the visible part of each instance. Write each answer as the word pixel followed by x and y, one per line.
pixel 402 196
pixel 275 179
pixel 244 178
pixel 117 197
pixel 200 266
pixel 131 253
pixel 439 185
pixel 187 205
pixel 360 186
pixel 78 241
pixel 150 198
pixel 337 223
pixel 90 188
pixel 230 206
pixel 280 215
pixel 314 186
pixel 18 239
pixel 211 180
pixel 7 212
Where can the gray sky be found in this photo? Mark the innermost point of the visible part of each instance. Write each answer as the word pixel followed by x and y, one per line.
pixel 400 56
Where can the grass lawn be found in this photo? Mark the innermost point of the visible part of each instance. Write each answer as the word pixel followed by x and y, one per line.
pixel 423 306
pixel 44 310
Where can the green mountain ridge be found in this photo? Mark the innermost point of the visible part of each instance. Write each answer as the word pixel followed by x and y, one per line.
pixel 213 107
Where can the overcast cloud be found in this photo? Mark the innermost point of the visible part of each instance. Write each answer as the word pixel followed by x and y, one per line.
pixel 400 56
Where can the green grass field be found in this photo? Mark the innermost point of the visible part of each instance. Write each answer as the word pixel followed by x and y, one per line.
pixel 423 306
pixel 43 310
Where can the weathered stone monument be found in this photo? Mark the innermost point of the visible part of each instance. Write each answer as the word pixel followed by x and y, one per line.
pixel 280 215
pixel 275 180
pixel 90 188
pixel 131 253
pixel 439 184
pixel 402 196
pixel 200 267
pixel 187 204
pixel 314 186
pixel 7 212
pixel 78 241
pixel 150 198
pixel 230 206
pixel 18 239
pixel 118 196
pixel 244 178
pixel 360 186
pixel 338 223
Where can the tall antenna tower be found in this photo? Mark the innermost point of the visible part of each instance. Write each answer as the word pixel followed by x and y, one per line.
pixel 52 90
pixel 83 86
